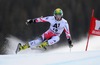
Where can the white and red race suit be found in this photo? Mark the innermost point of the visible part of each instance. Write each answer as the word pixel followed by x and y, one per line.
pixel 54 32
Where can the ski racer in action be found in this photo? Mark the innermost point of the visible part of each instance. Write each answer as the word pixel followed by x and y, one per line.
pixel 57 25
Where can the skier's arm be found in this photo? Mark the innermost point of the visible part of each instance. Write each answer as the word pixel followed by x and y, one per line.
pixel 67 32
pixel 36 20
pixel 41 19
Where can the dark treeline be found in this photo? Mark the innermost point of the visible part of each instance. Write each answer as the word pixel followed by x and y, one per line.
pixel 14 13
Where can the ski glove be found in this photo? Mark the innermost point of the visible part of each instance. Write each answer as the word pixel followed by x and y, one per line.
pixel 29 21
pixel 70 43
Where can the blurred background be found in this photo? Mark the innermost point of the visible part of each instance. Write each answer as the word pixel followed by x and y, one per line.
pixel 14 13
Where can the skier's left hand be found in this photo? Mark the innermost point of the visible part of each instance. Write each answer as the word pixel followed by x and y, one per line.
pixel 70 43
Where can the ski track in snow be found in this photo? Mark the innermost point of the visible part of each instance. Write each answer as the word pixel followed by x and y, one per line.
pixel 59 56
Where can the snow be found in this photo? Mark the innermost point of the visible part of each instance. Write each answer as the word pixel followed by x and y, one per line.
pixel 63 58
pixel 74 58
pixel 59 56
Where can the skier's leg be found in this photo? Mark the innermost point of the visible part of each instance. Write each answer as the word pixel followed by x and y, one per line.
pixel 45 36
pixel 53 40
pixel 35 42
pixel 48 35
pixel 30 44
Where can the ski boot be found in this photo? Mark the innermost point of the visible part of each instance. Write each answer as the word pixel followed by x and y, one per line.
pixel 43 45
pixel 25 46
pixel 22 47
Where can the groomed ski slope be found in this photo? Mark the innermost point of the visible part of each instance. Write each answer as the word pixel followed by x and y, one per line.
pixel 63 58
pixel 59 56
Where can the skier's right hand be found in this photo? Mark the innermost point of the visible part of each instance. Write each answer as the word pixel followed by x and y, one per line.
pixel 70 43
pixel 29 21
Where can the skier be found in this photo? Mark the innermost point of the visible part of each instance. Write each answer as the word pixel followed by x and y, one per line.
pixel 57 25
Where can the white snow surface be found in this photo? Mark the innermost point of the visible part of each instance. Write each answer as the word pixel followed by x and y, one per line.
pixel 59 56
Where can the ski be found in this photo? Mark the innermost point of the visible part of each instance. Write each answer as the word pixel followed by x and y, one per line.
pixel 35 48
pixel 17 49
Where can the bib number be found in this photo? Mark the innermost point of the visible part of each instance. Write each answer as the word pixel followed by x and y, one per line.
pixel 55 27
